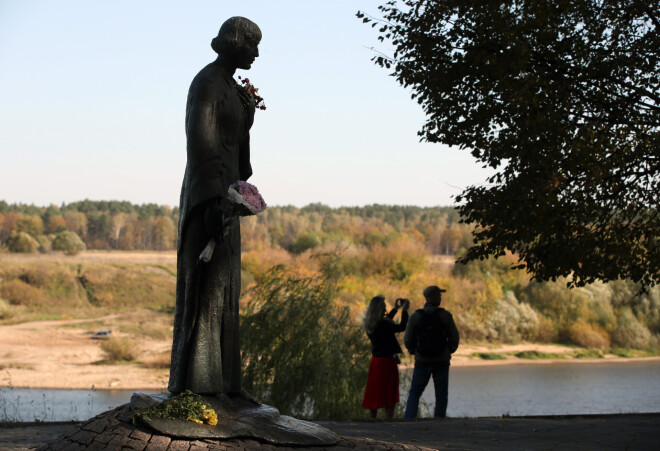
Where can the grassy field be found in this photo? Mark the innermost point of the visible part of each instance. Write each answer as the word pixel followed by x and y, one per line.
pixel 91 284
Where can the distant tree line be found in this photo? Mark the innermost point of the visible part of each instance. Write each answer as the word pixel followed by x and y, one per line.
pixel 126 226
pixel 297 230
pixel 87 224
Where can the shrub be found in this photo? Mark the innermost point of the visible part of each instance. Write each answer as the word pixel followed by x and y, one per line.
pixel 495 269
pixel 510 320
pixel 21 242
pixel 588 336
pixel 489 355
pixel 589 354
pixel 648 307
pixel 557 302
pixel 399 260
pixel 305 241
pixel 18 292
pixel 470 327
pixel 546 332
pixel 631 353
pixel 601 312
pixel 45 244
pixel 30 224
pixel 119 349
pixel 538 355
pixel 300 351
pixel 630 333
pixel 259 263
pixel 68 242
pixel 6 310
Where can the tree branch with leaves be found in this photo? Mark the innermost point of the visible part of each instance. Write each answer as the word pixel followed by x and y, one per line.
pixel 562 99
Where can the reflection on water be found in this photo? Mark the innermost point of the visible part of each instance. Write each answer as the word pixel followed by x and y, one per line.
pixel 553 389
pixel 534 389
pixel 37 404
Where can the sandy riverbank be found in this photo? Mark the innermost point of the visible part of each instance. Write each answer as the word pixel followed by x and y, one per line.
pixel 53 354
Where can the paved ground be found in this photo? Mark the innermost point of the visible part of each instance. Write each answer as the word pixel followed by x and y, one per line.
pixel 608 432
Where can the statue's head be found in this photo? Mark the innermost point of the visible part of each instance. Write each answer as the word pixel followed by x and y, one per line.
pixel 238 41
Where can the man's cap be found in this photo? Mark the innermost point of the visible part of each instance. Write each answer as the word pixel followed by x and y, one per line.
pixel 432 291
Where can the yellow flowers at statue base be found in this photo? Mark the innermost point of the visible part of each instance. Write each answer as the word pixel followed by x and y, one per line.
pixel 207 416
pixel 210 417
pixel 185 406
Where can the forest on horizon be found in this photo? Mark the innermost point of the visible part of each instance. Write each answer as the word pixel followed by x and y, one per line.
pixel 376 249
pixel 126 226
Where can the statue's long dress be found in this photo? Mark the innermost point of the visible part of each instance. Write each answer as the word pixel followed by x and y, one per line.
pixel 205 349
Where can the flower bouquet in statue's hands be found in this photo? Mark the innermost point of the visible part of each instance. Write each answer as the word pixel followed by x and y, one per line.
pixel 243 199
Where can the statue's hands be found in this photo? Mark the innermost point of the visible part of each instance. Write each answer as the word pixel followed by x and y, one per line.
pixel 213 221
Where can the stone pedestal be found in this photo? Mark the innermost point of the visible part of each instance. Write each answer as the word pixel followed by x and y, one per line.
pixel 240 418
pixel 114 431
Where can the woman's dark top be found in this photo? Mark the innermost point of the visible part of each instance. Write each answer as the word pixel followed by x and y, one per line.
pixel 383 341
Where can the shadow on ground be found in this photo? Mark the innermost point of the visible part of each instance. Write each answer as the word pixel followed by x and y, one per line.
pixel 632 432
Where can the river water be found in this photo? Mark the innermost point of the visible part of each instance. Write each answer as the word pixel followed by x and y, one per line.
pixel 517 390
pixel 553 389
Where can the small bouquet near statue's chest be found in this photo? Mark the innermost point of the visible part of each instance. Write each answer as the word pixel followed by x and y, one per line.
pixel 247 90
pixel 243 199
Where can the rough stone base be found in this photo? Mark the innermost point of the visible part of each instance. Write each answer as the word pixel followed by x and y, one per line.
pixel 238 418
pixel 113 430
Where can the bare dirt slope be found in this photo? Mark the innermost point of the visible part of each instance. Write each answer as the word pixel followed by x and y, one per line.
pixel 48 354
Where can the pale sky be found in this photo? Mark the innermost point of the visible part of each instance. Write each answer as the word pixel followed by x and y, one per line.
pixel 93 93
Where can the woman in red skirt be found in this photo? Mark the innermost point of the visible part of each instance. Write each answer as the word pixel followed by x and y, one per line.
pixel 382 390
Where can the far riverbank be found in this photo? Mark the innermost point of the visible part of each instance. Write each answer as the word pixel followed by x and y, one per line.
pixel 58 355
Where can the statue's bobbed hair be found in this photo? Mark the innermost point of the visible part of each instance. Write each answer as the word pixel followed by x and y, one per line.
pixel 232 35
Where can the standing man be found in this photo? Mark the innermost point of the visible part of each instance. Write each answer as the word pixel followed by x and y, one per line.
pixel 432 338
pixel 205 350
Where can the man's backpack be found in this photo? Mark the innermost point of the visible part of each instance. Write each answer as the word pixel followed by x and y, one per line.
pixel 431 337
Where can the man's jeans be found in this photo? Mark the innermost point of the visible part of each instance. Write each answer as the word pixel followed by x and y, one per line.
pixel 420 379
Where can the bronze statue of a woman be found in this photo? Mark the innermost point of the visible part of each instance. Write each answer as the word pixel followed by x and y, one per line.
pixel 206 355
pixel 205 351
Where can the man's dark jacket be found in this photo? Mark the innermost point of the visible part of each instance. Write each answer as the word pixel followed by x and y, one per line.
pixel 412 335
